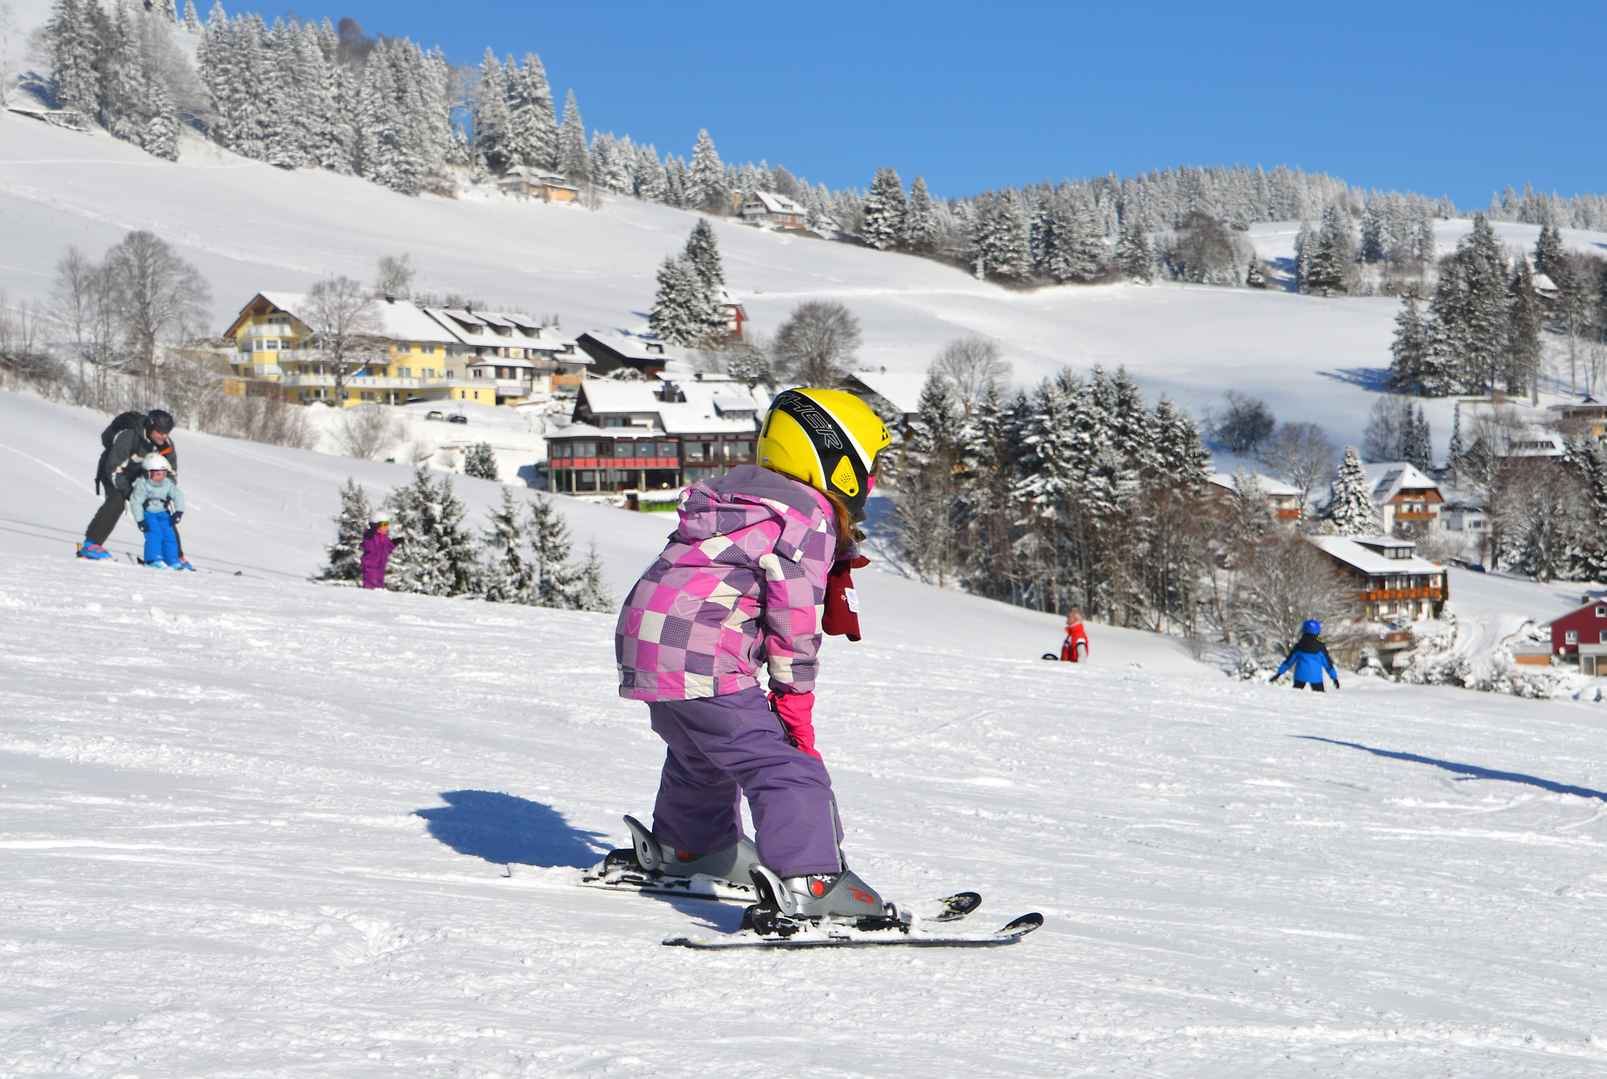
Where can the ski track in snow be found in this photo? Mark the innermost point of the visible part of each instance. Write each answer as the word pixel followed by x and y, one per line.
pixel 260 827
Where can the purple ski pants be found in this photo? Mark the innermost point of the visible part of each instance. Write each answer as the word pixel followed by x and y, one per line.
pixel 721 748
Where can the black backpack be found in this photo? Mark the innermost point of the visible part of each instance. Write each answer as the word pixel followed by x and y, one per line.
pixel 125 421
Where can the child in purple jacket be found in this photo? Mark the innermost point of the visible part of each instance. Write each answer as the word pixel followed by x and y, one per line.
pixel 743 581
pixel 377 548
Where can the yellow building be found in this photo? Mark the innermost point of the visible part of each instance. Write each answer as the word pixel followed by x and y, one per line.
pixel 276 353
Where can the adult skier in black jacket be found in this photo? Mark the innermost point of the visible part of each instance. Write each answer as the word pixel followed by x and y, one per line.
pixel 132 440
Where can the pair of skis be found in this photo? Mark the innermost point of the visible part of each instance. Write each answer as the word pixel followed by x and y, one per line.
pixel 770 929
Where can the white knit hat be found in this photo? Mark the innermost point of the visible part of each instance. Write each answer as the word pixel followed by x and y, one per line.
pixel 379 517
pixel 154 462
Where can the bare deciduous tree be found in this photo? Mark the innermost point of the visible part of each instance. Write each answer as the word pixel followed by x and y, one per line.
pixel 1301 455
pixel 1281 581
pixel 394 276
pixel 157 297
pixel 972 365
pixel 1243 425
pixel 82 307
pixel 346 330
pixel 364 431
pixel 192 386
pixel 818 343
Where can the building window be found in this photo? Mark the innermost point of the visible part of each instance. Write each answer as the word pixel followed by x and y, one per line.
pixel 666 449
pixel 1571 637
pixel 1601 612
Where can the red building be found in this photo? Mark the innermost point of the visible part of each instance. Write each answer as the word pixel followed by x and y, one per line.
pixel 1585 625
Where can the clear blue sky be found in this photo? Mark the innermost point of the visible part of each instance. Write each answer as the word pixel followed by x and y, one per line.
pixel 1440 98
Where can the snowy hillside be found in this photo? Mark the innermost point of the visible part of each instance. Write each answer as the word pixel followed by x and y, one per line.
pixel 254 826
pixel 249 226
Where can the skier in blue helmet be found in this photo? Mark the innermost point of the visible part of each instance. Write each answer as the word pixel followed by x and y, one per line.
pixel 1309 657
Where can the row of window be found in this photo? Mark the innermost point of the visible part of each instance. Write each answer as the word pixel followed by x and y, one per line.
pixel 1571 636
pixel 697 451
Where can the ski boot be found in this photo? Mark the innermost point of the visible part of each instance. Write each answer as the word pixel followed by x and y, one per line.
pixel 788 904
pixel 182 564
pixel 93 551
pixel 652 866
pixel 158 564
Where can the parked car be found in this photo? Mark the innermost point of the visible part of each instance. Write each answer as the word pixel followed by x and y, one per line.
pixel 457 417
pixel 435 414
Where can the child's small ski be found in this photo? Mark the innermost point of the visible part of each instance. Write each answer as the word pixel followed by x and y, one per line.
pixel 805 934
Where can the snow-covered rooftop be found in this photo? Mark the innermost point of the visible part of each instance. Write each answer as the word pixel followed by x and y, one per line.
pixel 634 347
pixel 777 204
pixel 480 329
pixel 1386 479
pixel 720 407
pixel 1353 552
pixel 902 389
pixel 400 320
pixel 1274 487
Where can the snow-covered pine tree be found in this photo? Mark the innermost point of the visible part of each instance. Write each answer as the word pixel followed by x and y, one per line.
pixel 1409 352
pixel 161 135
pixel 121 97
pixel 925 522
pixel 1590 551
pixel 345 555
pixel 492 137
pixel 1419 441
pixel 999 239
pixel 1351 510
pixel 1329 269
pixel 556 584
pixel 680 312
pixel 283 107
pixel 1423 244
pixel 1548 249
pixel 169 10
pixel 437 555
pixel 533 117
pixel 703 252
pixel 920 219
pixel 1133 254
pixel 480 462
pixel 591 591
pixel 650 178
pixel 1523 332
pixel 573 160
pixel 885 211
pixel 1482 314
pixel 508 576
pixel 71 47
pixel 705 181
pixel 1254 275
pixel 1442 368
pixel 1305 248
pixel 1179 451
pixel 192 21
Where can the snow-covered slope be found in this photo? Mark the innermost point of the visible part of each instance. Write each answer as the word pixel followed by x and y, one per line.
pixel 255 826
pixel 249 227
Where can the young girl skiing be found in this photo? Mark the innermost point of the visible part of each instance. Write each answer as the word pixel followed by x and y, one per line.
pixel 1075 647
pixel 744 580
pixel 377 548
pixel 157 505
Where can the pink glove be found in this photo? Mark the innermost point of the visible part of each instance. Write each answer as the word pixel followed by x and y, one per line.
pixel 796 711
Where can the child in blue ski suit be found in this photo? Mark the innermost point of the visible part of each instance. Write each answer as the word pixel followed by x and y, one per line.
pixel 1309 657
pixel 157 505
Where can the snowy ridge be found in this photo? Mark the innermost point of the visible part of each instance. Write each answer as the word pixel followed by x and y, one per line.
pixel 256 826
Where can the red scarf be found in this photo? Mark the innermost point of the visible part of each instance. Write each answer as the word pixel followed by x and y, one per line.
pixel 842 602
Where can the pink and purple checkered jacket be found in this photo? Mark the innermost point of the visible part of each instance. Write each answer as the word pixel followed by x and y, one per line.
pixel 742 581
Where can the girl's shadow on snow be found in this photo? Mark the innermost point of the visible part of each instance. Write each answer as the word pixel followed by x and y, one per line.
pixel 506 830
pixel 1465 771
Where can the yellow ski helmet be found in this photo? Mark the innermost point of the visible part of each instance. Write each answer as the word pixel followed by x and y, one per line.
pixel 829 439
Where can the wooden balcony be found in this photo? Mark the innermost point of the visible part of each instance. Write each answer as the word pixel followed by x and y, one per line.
pixel 1385 594
pixel 1416 515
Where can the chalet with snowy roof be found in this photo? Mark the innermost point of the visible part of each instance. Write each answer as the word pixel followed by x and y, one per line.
pixel 776 211
pixel 1407 500
pixel 410 357
pixel 1544 287
pixel 1581 635
pixel 529 183
pixel 1392 582
pixel 1284 499
pixel 640 437
pixel 1511 428
pixel 611 351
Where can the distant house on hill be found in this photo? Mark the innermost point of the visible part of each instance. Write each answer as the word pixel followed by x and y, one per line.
pixel 532 183
pixel 1407 500
pixel 777 211
pixel 1588 416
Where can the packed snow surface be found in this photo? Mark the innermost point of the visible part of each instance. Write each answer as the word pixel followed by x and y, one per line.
pixel 256 826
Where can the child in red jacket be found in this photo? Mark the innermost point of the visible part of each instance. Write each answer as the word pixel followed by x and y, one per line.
pixel 1075 647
